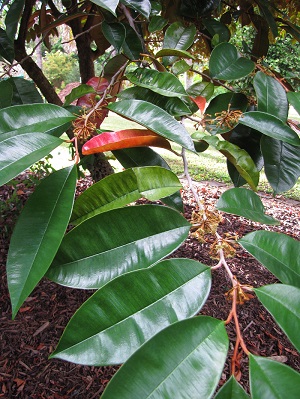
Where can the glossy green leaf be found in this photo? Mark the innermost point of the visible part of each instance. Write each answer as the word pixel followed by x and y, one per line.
pixel 24 91
pixel 116 242
pixel 115 34
pixel 243 202
pixel 270 126
pixel 231 390
pixel 226 63
pixel 281 163
pixel 20 152
pixel 179 67
pixel 78 92
pixel 43 118
pixel 154 118
pixel 174 363
pixel 173 105
pixel 6 90
pixel 131 309
pixel 294 100
pixel 163 83
pixel 277 252
pixel 204 89
pixel 238 157
pixel 132 45
pixel 271 96
pixel 283 302
pixel 215 27
pixel 122 188
pixel 38 233
pixel 178 37
pixel 109 5
pixel 157 23
pixel 223 103
pixel 141 6
pixel 12 18
pixel 174 52
pixel 6 46
pixel 271 379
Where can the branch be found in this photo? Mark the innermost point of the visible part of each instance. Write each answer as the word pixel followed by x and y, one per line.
pixel 213 80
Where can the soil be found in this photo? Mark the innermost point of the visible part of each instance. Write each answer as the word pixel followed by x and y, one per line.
pixel 27 341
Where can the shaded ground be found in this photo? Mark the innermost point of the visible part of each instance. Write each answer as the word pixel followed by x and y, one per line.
pixel 26 342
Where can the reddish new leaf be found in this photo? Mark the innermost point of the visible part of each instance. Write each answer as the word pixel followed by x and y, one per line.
pixel 200 102
pixel 109 141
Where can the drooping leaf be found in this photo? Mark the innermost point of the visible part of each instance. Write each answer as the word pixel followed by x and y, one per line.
pixel 246 203
pixel 43 118
pixel 281 163
pixel 19 152
pixel 220 114
pixel 38 233
pixel 173 105
pixel 24 91
pixel 6 94
pixel 78 92
pixel 238 157
pixel 6 47
pixel 200 102
pixel 163 83
pixel 174 363
pixel 157 23
pixel 109 5
pixel 114 33
pixel 215 27
pixel 141 6
pixel 231 390
pixel 122 188
pixel 12 18
pixel 204 89
pixel 283 302
pixel 226 63
pixel 136 305
pixel 271 379
pixel 271 96
pixel 180 67
pixel 264 7
pixel 271 126
pixel 132 45
pixel 178 37
pixel 276 251
pixel 155 119
pixel 294 100
pixel 116 242
pixel 128 138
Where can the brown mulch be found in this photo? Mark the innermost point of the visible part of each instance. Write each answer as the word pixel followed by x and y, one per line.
pixel 27 341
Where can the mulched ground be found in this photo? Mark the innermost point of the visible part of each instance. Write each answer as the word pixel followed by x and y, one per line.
pixel 26 342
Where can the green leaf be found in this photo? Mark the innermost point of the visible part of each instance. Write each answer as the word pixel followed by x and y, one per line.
pixel 231 390
pixel 136 305
pixel 294 100
pixel 264 7
pixel 243 202
pixel 43 118
pixel 115 33
pixel 271 96
pixel 122 188
pixel 180 67
pixel 6 90
pixel 173 105
pixel 116 242
pixel 276 252
pixel 283 302
pixel 226 63
pixel 109 5
pixel 223 103
pixel 204 89
pixel 215 27
pixel 178 37
pixel 38 233
pixel 271 379
pixel 157 23
pixel 24 92
pixel 163 83
pixel 174 363
pixel 141 6
pixel 281 163
pixel 20 152
pixel 270 126
pixel 238 157
pixel 154 118
pixel 12 18
pixel 174 52
pixel 6 47
pixel 132 45
pixel 78 92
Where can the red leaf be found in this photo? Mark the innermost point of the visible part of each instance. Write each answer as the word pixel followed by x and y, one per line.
pixel 109 141
pixel 200 102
